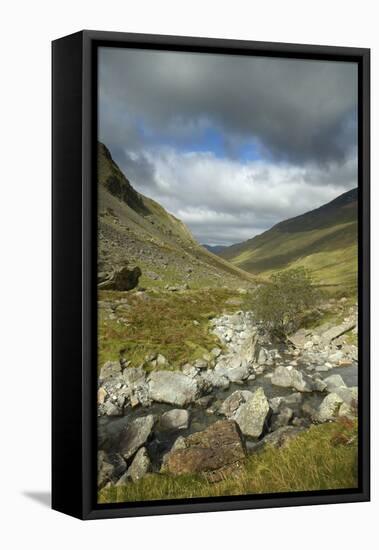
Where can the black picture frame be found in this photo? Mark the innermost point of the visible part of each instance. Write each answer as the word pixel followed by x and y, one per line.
pixel 74 89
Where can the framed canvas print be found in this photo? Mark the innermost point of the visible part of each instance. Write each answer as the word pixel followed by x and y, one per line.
pixel 210 274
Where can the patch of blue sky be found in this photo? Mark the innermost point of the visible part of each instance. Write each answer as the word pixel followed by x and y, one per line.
pixel 206 139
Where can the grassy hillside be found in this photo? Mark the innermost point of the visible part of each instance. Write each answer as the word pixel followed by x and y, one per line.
pixel 323 240
pixel 136 230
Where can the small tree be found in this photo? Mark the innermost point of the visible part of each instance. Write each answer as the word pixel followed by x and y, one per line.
pixel 281 304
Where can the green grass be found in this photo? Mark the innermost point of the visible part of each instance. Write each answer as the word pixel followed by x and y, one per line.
pixel 323 457
pixel 171 323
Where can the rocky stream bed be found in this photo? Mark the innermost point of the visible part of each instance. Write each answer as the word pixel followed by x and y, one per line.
pixel 206 417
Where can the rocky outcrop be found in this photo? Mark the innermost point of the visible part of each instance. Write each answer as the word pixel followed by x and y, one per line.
pixel 172 387
pixel 122 279
pixel 215 452
pixel 238 333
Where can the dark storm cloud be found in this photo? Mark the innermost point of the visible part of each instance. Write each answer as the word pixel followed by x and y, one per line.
pixel 300 111
pixel 230 145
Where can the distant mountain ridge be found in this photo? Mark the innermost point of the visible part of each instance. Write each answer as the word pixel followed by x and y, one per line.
pixel 323 240
pixel 215 249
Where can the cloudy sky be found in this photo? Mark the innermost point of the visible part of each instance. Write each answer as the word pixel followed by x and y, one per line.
pixel 230 144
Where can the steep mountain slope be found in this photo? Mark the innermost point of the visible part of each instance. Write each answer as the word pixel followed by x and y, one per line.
pixel 134 230
pixel 323 240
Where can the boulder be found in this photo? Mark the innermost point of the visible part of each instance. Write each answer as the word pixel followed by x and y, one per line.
pixel 281 436
pixel 109 370
pixel 232 403
pixel 299 338
pixel 134 377
pixel 252 414
pixel 348 395
pixel 176 419
pixel 190 370
pixel 237 374
pixel 216 452
pixel 109 467
pixel 101 395
pixel 318 384
pixel 122 279
pixel 201 364
pixel 289 377
pixel 336 331
pixel 135 435
pixel 328 408
pixel 282 376
pixel 110 409
pixel 262 356
pixel 281 419
pixel 336 357
pixel 215 379
pixel 174 388
pixel 333 382
pixel 140 466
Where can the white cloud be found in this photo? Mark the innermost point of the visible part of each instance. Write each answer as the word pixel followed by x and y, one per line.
pixel 224 201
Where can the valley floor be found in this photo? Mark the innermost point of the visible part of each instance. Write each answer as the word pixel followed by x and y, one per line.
pixel 175 362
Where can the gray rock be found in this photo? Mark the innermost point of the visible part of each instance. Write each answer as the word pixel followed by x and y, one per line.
pixel 348 395
pixel 333 382
pixel 318 385
pixel 172 387
pixel 237 372
pixel 135 435
pixel 161 360
pixel 337 331
pixel 190 370
pixel 232 403
pixel 204 401
pixel 300 382
pixel 140 466
pixel 176 419
pixel 295 399
pixel 281 436
pixel 109 370
pixel 347 411
pixel 275 403
pixel 109 467
pixel 262 356
pixel 336 357
pixel 289 377
pixel 134 377
pixel 282 376
pixel 328 408
pixel 299 338
pixel 111 409
pixel 322 368
pixel 252 414
pixel 283 418
pixel 201 364
pixel 215 379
